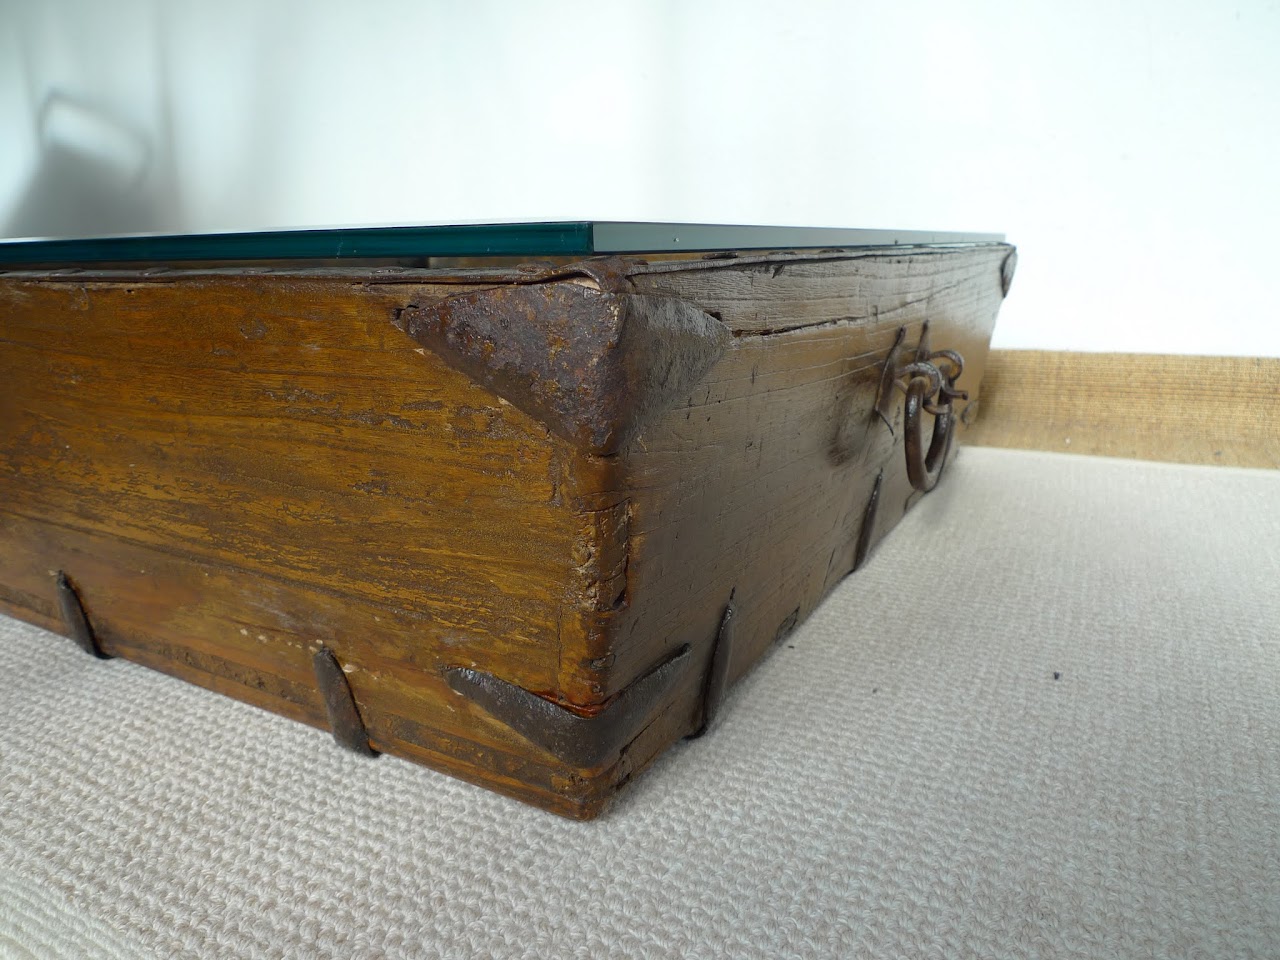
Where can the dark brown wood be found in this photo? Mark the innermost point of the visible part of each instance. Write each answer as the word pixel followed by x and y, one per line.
pixel 485 487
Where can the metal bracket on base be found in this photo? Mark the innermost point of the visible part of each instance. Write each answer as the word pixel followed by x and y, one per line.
pixel 868 529
pixel 1007 269
pixel 344 715
pixel 76 619
pixel 718 672
pixel 578 740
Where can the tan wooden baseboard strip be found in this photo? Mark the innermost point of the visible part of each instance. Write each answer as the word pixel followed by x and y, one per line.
pixel 1219 410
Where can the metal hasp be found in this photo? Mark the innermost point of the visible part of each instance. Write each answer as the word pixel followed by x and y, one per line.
pixel 77 621
pixel 578 740
pixel 344 715
pixel 717 682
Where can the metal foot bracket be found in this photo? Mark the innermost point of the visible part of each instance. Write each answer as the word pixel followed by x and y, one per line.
pixel 718 672
pixel 578 740
pixel 76 619
pixel 344 715
pixel 867 531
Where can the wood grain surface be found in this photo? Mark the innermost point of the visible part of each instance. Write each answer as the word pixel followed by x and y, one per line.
pixel 1180 409
pixel 239 467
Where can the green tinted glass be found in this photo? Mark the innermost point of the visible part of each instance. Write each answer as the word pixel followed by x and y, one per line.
pixel 572 238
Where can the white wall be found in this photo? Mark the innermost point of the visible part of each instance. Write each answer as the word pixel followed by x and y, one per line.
pixel 1128 147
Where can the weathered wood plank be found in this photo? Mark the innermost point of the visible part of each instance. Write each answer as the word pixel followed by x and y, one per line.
pixel 757 485
pixel 763 295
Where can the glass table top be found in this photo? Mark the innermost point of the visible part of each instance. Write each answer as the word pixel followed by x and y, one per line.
pixel 543 239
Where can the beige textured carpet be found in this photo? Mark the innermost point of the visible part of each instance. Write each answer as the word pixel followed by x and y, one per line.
pixel 905 777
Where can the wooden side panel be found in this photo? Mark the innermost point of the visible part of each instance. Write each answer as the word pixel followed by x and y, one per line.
pixel 756 486
pixel 238 469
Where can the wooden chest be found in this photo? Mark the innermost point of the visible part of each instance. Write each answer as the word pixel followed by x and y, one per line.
pixel 522 523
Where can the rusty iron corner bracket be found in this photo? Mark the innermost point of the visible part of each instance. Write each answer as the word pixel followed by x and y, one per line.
pixel 868 528
pixel 593 366
pixel 340 705
pixel 580 741
pixel 76 619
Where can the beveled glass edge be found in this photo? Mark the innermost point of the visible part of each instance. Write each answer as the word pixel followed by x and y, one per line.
pixel 624 237
pixel 541 239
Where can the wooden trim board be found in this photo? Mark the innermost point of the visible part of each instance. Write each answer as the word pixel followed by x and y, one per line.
pixel 1181 409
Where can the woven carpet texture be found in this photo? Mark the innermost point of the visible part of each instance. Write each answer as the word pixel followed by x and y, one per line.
pixel 1041 722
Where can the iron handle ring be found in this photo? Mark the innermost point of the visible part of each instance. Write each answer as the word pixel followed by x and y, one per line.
pixel 930 390
pixel 925 467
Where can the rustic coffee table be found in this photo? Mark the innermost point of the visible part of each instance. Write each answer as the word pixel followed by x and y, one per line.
pixel 516 501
